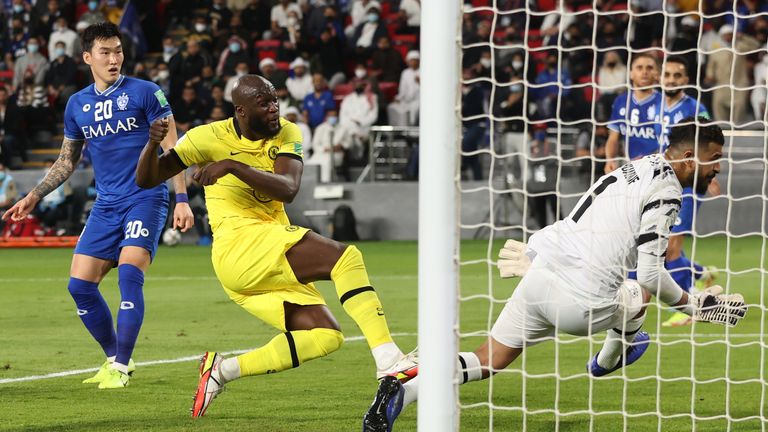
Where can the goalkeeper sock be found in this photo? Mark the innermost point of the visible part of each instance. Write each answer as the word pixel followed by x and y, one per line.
pixel 131 313
pixel 229 370
pixel 411 392
pixel 94 313
pixel 289 350
pixel 613 348
pixel 469 367
pixel 359 299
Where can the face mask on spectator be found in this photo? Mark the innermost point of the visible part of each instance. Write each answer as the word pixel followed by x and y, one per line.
pixel 58 52
pixel 18 8
pixel 32 48
pixel 92 5
pixel 169 49
pixel 360 73
pixel 517 64
pixel 234 47
pixel 199 27
pixel 332 120
pixel 241 72
pixel 372 17
pixel 162 75
pixel 486 62
pixel 292 21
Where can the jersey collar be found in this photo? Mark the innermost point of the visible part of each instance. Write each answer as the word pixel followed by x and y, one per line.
pixel 237 128
pixel 111 88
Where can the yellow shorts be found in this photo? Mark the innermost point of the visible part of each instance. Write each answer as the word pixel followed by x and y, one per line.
pixel 250 263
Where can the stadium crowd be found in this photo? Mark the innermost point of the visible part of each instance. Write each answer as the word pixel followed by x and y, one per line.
pixel 342 66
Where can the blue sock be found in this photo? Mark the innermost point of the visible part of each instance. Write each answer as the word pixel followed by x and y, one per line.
pixel 94 313
pixel 680 269
pixel 131 314
pixel 698 271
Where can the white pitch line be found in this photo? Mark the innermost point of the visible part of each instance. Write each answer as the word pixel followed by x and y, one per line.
pixel 177 278
pixel 153 362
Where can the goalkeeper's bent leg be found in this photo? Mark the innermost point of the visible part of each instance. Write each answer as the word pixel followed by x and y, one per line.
pixel 362 304
pixel 285 351
pixel 613 348
pixel 470 369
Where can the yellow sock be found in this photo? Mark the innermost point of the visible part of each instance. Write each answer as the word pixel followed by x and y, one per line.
pixel 289 350
pixel 358 298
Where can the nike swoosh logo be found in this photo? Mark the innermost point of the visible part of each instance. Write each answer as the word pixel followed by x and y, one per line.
pixel 234 153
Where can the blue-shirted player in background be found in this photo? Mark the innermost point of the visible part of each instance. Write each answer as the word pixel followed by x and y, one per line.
pixel 636 114
pixel 678 106
pixel 116 117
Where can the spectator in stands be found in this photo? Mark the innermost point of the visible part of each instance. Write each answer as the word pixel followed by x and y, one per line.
pixel 609 36
pixel 386 62
pixel 686 44
pixel 481 35
pixel 357 15
pixel 315 20
pixel 208 79
pixel 189 111
pixel 577 51
pixel 484 64
pixel 256 18
pixel 404 110
pixel 240 70
pixel 236 52
pixel 8 192
pixel 284 99
pixel 473 104
pixel 201 32
pixel 49 14
pixel 236 28
pixel 185 67
pixel 326 149
pixel 555 23
pixel 300 84
pixel 509 102
pixel 169 48
pixel 32 99
pixel 363 41
pixel 359 111
pixel 94 14
pixel 760 92
pixel 270 71
pixel 216 114
pixel 317 103
pixel 12 139
pixel 731 72
pixel 410 12
pixel 330 56
pixel 519 68
pixel 217 101
pixel 32 62
pixel 291 38
pixel 162 78
pixel 280 13
pixel 612 79
pixel 221 16
pixel 556 93
pixel 542 183
pixel 61 78
pixel 62 33
pixel 292 115
pixel 648 23
pixel 23 10
pixel 57 206
pixel 591 147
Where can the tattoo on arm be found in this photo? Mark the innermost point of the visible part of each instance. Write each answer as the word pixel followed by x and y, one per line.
pixel 61 169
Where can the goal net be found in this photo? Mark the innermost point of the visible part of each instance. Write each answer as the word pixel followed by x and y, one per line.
pixel 539 80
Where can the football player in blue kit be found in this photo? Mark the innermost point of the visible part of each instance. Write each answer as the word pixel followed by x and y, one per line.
pixel 115 116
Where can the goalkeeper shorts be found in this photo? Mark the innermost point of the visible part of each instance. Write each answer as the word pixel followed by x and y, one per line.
pixel 544 304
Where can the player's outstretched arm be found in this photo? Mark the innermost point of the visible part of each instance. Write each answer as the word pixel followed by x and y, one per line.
pixel 151 169
pixel 183 219
pixel 282 185
pixel 71 150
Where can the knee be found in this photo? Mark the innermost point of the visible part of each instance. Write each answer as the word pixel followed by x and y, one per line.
pixel 82 288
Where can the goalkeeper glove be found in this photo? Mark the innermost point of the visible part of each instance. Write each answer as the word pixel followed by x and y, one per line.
pixel 513 261
pixel 712 306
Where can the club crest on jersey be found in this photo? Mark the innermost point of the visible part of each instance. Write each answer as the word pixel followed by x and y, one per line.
pixel 122 102
pixel 273 152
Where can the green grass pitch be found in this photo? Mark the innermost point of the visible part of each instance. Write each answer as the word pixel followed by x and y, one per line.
pixel 188 313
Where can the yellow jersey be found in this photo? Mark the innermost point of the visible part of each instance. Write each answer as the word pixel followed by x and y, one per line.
pixel 230 199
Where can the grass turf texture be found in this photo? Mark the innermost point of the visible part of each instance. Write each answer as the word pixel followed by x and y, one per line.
pixel 188 313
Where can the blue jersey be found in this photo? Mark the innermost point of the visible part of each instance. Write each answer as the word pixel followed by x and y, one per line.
pixel 684 108
pixel 115 125
pixel 639 123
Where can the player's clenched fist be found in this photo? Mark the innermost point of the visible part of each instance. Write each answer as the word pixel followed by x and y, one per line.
pixel 158 130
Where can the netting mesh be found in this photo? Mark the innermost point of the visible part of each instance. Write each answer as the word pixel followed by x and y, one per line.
pixel 539 81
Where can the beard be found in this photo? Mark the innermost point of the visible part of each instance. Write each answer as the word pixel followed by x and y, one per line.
pixel 702 184
pixel 672 92
pixel 263 128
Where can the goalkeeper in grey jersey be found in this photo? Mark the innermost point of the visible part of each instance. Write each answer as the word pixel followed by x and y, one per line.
pixel 574 270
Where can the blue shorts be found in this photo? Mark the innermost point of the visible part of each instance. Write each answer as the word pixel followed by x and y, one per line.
pixel 688 207
pixel 110 227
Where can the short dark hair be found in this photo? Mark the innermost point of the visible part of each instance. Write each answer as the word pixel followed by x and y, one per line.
pixel 679 60
pixel 691 128
pixel 102 30
pixel 638 56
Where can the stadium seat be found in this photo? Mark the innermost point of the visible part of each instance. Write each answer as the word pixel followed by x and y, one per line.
pixel 402 49
pixel 267 53
pixel 269 44
pixel 340 91
pixel 283 66
pixel 481 3
pixel 619 7
pixel 546 5
pixel 589 91
pixel 388 90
